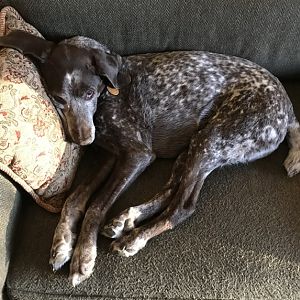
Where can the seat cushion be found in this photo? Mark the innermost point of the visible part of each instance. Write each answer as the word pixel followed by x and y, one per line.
pixel 243 241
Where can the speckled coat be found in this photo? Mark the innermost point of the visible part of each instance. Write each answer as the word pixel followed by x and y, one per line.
pixel 207 110
pixel 173 95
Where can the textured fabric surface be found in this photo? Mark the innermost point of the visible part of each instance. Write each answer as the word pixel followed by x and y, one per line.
pixel 9 212
pixel 244 239
pixel 266 32
pixel 243 242
pixel 32 147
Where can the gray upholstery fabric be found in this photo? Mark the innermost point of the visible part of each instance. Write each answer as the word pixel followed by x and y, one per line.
pixel 9 210
pixel 244 239
pixel 266 32
pixel 243 242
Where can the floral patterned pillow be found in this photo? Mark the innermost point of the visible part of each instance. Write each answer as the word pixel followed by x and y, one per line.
pixel 32 147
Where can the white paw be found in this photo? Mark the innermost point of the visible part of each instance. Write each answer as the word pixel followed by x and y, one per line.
pixel 121 224
pixel 292 163
pixel 62 248
pixel 129 245
pixel 82 264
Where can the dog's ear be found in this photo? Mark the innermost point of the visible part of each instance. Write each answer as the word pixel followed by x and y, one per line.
pixel 27 44
pixel 108 65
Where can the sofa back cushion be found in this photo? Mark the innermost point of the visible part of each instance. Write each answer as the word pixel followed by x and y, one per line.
pixel 266 32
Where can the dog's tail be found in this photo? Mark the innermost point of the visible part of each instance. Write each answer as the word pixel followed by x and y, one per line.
pixel 292 162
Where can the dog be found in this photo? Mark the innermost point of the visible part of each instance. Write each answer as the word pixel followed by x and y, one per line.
pixel 207 110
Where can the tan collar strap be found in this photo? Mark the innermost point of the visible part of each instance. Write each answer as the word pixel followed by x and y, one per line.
pixel 113 91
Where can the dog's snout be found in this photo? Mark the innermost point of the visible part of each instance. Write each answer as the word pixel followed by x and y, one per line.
pixel 79 124
pixel 83 135
pixel 86 142
pixel 86 136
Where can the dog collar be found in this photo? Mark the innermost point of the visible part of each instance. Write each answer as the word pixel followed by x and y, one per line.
pixel 113 91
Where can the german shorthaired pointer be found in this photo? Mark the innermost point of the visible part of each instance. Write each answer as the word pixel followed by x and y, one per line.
pixel 206 109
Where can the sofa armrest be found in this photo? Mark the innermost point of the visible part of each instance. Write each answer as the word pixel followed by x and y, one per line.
pixel 9 209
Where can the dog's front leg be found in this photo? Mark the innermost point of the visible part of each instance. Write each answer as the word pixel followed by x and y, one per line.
pixel 72 213
pixel 128 166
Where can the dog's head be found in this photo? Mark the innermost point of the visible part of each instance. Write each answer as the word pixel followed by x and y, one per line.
pixel 75 72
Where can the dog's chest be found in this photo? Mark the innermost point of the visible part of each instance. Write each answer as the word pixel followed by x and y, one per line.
pixel 118 126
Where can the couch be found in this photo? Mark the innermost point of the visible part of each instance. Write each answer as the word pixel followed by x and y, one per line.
pixel 243 242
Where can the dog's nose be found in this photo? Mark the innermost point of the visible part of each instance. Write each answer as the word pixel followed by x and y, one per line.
pixel 83 136
pixel 86 141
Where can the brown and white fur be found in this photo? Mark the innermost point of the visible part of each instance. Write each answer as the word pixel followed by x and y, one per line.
pixel 206 110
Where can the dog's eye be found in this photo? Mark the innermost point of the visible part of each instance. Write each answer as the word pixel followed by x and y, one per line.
pixel 89 94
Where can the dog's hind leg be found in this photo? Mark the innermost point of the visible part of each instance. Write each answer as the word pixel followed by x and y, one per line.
pixel 292 162
pixel 201 160
pixel 133 216
pixel 182 206
pixel 227 139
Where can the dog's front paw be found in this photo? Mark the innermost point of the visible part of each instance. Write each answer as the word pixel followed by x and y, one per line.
pixel 62 246
pixel 82 264
pixel 122 224
pixel 292 163
pixel 130 244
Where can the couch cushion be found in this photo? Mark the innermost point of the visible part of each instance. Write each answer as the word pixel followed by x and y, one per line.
pixel 266 32
pixel 242 242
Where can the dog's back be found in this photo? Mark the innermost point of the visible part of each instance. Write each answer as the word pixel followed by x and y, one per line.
pixel 174 93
